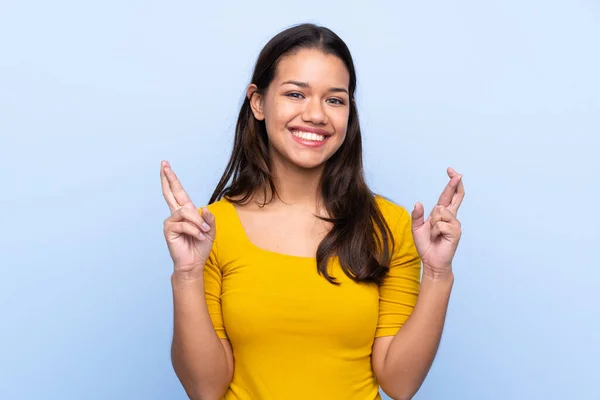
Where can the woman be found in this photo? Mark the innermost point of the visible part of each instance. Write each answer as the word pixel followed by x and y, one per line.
pixel 301 291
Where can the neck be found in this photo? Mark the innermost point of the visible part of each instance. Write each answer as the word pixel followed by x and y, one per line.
pixel 297 186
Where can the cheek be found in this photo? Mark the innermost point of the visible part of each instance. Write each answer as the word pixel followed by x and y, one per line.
pixel 340 122
pixel 280 113
pixel 341 140
pixel 274 119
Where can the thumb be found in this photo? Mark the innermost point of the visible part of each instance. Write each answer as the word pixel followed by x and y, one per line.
pixel 418 214
pixel 208 217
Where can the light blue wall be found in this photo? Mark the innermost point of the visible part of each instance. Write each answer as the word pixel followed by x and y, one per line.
pixel 94 94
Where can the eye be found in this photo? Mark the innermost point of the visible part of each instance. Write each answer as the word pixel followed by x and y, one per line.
pixel 295 95
pixel 336 101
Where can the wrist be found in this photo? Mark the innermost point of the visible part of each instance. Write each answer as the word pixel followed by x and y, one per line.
pixel 443 276
pixel 440 284
pixel 188 274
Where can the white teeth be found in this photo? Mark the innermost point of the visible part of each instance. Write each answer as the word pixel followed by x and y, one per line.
pixel 308 136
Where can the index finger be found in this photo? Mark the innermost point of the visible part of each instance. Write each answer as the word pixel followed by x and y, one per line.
pixel 179 194
pixel 448 193
pixel 166 188
pixel 458 197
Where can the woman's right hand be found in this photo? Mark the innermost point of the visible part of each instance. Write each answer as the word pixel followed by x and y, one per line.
pixel 189 234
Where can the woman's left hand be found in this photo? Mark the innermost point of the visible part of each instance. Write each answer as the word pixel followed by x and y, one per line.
pixel 437 237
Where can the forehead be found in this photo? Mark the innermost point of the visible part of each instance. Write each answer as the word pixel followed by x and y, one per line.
pixel 314 67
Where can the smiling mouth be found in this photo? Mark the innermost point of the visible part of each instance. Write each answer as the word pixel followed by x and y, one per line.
pixel 313 137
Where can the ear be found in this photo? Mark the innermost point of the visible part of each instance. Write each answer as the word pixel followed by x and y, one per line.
pixel 256 102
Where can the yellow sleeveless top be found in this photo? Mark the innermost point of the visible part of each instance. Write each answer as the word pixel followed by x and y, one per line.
pixel 294 335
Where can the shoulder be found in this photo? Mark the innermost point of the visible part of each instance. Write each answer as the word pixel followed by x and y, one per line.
pixel 225 217
pixel 393 213
pixel 228 233
pixel 399 220
pixel 219 208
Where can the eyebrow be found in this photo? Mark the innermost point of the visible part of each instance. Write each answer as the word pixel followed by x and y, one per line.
pixel 307 86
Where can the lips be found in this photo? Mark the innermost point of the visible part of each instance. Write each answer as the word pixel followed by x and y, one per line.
pixel 308 139
pixel 308 129
pixel 308 136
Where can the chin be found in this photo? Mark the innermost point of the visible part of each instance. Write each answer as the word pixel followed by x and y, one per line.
pixel 308 164
pixel 300 159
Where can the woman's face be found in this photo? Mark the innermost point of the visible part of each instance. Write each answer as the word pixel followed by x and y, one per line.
pixel 305 108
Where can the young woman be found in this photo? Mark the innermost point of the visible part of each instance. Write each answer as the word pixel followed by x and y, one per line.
pixel 297 282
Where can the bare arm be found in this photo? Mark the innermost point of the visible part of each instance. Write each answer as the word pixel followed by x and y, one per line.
pixel 401 362
pixel 202 361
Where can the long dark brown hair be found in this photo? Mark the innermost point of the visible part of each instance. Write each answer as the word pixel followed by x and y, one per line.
pixel 360 236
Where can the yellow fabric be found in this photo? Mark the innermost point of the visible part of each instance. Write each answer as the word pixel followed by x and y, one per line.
pixel 294 335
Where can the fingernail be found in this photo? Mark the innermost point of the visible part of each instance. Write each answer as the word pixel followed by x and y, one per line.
pixel 201 236
pixel 205 227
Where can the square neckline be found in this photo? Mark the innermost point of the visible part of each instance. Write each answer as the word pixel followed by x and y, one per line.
pixel 242 232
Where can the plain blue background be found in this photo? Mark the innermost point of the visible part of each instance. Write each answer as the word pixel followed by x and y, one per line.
pixel 93 95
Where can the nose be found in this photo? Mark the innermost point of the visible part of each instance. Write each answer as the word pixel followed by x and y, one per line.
pixel 314 112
